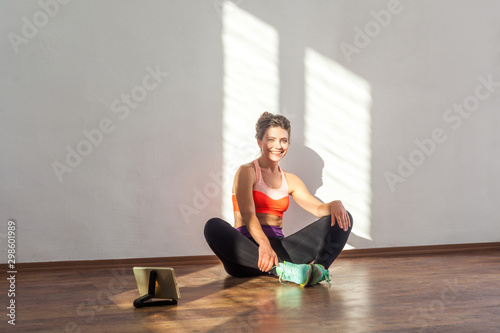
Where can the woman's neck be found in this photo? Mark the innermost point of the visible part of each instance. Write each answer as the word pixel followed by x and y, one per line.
pixel 268 164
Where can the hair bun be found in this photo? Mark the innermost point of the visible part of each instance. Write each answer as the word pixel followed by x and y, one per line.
pixel 267 119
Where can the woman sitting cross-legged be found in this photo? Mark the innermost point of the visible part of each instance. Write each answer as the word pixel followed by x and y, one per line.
pixel 256 245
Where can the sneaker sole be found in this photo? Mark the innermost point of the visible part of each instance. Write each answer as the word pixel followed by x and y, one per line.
pixel 309 276
pixel 316 276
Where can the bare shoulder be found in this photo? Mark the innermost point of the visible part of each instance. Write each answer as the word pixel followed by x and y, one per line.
pixel 290 177
pixel 293 181
pixel 246 173
pixel 246 169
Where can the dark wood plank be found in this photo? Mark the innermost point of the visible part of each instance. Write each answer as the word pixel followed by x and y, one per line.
pixel 212 259
pixel 456 292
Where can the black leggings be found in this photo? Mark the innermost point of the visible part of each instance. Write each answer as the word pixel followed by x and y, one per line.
pixel 318 242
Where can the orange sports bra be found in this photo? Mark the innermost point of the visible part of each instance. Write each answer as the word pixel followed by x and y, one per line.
pixel 267 200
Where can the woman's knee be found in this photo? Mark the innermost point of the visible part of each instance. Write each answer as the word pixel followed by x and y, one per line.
pixel 214 227
pixel 350 218
pixel 214 221
pixel 328 220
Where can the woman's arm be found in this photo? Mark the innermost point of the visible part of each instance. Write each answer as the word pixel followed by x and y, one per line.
pixel 309 203
pixel 243 183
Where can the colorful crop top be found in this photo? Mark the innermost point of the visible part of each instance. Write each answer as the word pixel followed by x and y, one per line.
pixel 267 200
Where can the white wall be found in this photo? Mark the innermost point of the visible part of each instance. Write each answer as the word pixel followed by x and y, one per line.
pixel 126 197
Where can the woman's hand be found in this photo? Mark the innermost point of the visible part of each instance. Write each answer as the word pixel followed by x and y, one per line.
pixel 267 258
pixel 340 215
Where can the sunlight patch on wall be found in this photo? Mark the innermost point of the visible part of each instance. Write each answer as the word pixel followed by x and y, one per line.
pixel 337 126
pixel 251 86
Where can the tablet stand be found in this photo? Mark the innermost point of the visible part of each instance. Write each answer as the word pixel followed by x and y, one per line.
pixel 146 299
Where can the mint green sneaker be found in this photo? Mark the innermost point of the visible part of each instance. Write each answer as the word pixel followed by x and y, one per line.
pixel 319 274
pixel 297 273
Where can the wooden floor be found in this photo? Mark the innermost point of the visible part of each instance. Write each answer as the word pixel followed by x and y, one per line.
pixel 430 293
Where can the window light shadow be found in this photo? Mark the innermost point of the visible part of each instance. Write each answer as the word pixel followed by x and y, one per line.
pixel 337 126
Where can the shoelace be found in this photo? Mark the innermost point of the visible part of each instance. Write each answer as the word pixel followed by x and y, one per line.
pixel 326 276
pixel 279 275
pixel 283 275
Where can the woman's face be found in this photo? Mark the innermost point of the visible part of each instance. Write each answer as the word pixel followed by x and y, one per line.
pixel 274 144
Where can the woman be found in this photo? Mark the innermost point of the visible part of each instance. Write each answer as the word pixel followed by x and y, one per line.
pixel 261 190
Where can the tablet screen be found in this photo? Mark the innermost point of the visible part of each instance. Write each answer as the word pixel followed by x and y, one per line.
pixel 166 284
